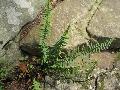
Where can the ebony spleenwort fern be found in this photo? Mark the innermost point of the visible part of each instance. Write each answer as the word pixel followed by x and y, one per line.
pixel 93 47
pixel 45 30
pixel 96 47
pixel 51 60
pixel 58 47
pixel 46 27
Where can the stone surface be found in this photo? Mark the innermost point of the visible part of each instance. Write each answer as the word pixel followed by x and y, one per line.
pixel 86 21
pixel 105 60
pixel 111 83
pixel 14 14
pixel 63 15
pixel 105 22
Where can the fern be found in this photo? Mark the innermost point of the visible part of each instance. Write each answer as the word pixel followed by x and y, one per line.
pixel 97 46
pixel 1 87
pixel 83 52
pixel 51 55
pixel 62 42
pixel 93 47
pixel 55 59
pixel 45 29
pixel 58 47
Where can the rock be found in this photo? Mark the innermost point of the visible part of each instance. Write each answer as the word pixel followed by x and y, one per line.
pixel 105 23
pixel 65 14
pixel 111 83
pixel 62 15
pixel 105 60
pixel 106 79
pixel 14 14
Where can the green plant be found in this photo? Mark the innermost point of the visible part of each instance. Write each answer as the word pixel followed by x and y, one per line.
pixel 50 56
pixel 36 85
pixel 1 86
pixel 50 59
pixel 2 75
pixel 92 47
pixel 4 69
pixel 57 61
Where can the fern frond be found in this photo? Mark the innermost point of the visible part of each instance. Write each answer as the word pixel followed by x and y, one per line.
pixel 97 46
pixel 93 47
pixel 52 59
pixel 58 47
pixel 44 31
pixel 62 41
pixel 65 71
pixel 46 27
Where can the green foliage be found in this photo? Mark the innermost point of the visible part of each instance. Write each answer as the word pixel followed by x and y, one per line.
pixel 46 27
pixel 55 59
pixel 94 47
pixel 3 72
pixel 4 69
pixel 1 86
pixel 50 55
pixel 36 85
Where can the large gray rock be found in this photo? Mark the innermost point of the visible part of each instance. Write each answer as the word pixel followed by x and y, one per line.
pixel 14 14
